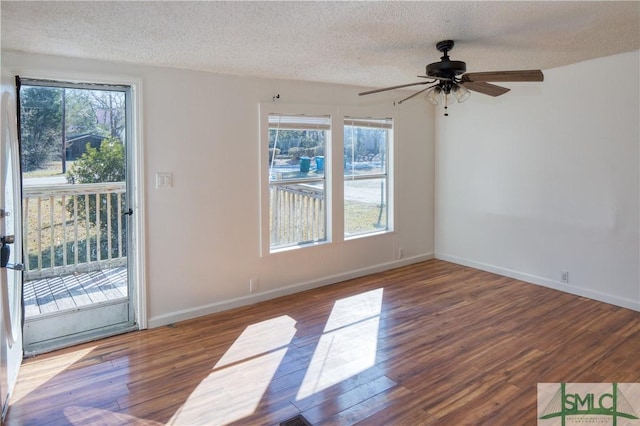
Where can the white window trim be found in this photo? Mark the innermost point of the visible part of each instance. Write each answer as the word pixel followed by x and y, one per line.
pixel 353 113
pixel 265 109
pixel 334 169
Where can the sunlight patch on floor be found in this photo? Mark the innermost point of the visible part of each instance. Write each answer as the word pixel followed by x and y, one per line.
pixel 348 345
pixel 240 378
pixel 50 367
pixel 77 415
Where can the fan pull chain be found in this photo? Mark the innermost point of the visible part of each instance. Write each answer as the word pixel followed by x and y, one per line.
pixel 446 103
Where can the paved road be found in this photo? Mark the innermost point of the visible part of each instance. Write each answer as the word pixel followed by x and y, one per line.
pixel 50 180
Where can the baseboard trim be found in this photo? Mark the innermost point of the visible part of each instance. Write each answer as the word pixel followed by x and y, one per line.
pixel 186 314
pixel 545 282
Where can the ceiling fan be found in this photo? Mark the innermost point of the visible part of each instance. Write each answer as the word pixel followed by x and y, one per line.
pixel 449 77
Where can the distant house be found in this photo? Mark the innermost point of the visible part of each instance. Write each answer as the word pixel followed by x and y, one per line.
pixel 77 144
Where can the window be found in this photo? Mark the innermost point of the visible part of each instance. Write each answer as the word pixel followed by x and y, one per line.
pixel 297 185
pixel 366 175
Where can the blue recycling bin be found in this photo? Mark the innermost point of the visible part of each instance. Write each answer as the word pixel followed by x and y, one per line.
pixel 319 163
pixel 305 163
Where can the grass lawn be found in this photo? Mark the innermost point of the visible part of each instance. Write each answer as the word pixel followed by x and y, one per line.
pixel 53 168
pixel 363 217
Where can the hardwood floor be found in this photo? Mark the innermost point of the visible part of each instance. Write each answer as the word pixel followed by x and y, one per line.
pixel 427 344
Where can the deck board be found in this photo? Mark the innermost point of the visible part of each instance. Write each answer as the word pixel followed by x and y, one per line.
pixel 30 303
pixel 118 277
pixel 49 295
pixel 78 293
pixel 44 297
pixel 60 293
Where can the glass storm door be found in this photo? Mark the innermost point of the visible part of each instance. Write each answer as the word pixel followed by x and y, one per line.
pixel 74 141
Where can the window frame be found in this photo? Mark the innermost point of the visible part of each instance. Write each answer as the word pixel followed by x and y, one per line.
pixel 266 110
pixel 334 170
pixel 382 121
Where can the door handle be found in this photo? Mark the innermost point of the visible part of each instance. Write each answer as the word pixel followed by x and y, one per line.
pixel 129 212
pixel 15 266
pixel 6 252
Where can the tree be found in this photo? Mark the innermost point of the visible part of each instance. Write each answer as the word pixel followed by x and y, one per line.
pixel 81 113
pixel 110 112
pixel 301 139
pixel 99 112
pixel 40 125
pixel 106 164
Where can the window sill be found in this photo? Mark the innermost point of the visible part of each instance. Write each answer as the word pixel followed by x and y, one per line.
pixel 297 247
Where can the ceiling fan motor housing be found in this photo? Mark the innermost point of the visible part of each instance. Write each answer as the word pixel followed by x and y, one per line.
pixel 446 69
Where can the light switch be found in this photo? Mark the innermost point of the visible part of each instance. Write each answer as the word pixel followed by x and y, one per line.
pixel 164 180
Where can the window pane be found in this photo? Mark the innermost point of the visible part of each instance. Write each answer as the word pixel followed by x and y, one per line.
pixel 297 213
pixel 365 206
pixel 366 144
pixel 296 146
pixel 365 147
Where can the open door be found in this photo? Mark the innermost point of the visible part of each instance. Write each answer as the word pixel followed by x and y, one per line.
pixel 77 212
pixel 11 240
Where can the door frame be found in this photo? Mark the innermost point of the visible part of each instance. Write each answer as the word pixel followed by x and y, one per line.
pixel 135 177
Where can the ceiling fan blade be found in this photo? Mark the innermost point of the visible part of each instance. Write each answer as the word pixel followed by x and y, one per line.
pixel 485 88
pixel 435 78
pixel 391 88
pixel 416 94
pixel 522 75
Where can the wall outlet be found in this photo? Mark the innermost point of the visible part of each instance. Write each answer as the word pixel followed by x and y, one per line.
pixel 253 285
pixel 400 253
pixel 564 277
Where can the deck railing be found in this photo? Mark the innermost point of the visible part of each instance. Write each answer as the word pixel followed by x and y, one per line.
pixel 297 214
pixel 73 228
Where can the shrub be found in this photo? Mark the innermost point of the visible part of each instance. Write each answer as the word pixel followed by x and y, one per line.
pixel 271 156
pixel 99 165
pixel 296 152
pixel 106 164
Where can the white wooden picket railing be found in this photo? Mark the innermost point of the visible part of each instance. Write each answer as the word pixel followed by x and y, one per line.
pixel 297 214
pixel 59 237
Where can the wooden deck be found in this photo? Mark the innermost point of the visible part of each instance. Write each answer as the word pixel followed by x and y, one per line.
pixel 51 295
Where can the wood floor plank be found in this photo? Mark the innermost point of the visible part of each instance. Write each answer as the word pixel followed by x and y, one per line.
pixel 445 344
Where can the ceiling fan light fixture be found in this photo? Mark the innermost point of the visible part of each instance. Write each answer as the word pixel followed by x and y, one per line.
pixel 461 92
pixel 433 95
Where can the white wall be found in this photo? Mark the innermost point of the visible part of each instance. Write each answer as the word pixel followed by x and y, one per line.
pixel 546 179
pixel 203 234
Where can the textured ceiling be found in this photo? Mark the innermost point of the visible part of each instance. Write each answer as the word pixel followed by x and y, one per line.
pixel 362 43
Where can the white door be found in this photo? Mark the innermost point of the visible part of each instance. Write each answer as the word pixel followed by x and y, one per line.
pixel 11 234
